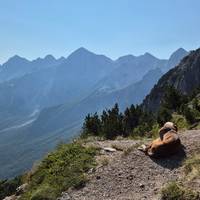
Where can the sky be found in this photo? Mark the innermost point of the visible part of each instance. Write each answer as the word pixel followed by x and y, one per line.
pixel 35 28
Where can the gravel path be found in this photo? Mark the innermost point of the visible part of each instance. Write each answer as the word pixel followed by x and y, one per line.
pixel 132 175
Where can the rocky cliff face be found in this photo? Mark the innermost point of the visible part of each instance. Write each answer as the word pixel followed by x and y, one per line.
pixel 185 77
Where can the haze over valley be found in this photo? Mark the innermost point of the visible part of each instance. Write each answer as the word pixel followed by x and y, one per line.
pixel 44 101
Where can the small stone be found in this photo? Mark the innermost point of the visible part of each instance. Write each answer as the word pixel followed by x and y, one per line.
pixel 130 177
pixel 155 190
pixel 109 149
pixel 13 197
pixel 65 196
pixel 92 170
pixel 141 185
pixel 98 177
pixel 21 189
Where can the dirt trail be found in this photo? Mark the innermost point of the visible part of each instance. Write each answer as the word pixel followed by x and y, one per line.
pixel 132 175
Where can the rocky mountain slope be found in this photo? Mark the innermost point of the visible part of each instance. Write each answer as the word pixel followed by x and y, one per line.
pixel 47 122
pixel 174 59
pixel 128 174
pixel 184 77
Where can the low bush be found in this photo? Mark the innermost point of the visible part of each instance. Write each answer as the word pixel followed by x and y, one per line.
pixel 173 191
pixel 8 187
pixel 60 170
pixel 192 166
pixel 180 121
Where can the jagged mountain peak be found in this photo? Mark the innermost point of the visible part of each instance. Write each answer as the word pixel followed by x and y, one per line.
pixel 179 52
pixel 175 59
pixel 49 57
pixel 62 58
pixel 82 55
pixel 81 52
pixel 16 59
pixel 148 56
pixel 126 58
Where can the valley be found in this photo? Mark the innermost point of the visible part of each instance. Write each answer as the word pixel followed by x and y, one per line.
pixel 44 101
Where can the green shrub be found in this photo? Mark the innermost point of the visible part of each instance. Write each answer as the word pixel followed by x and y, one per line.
pixel 60 170
pixel 173 99
pixel 190 115
pixel 175 192
pixel 180 121
pixel 141 130
pixel 45 192
pixel 155 130
pixel 164 115
pixel 8 187
pixel 172 192
pixel 196 104
pixel 192 166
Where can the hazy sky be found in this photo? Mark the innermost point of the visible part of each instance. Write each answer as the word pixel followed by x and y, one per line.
pixel 33 28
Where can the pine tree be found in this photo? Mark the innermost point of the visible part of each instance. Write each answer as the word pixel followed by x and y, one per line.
pixel 163 115
pixel 131 119
pixel 173 99
pixel 92 125
pixel 196 104
pixel 190 114
pixel 112 122
pixel 127 122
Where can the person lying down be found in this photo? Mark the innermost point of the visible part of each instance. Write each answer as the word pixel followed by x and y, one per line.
pixel 167 144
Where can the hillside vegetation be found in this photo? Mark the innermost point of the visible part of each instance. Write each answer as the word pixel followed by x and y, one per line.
pixel 135 121
pixel 59 170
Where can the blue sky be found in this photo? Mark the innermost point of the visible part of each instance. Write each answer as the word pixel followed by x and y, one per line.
pixel 34 28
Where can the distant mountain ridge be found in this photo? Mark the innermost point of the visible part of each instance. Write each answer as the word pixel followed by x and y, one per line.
pixel 131 69
pixel 17 66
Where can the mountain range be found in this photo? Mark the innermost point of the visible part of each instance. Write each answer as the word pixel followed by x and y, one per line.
pixel 45 100
pixel 184 77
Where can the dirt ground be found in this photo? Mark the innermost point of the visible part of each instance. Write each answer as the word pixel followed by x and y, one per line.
pixel 128 174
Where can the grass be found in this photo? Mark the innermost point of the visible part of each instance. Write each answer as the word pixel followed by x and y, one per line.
pixel 60 170
pixel 173 191
pixel 8 187
pixel 118 147
pixel 104 161
pixel 180 121
pixel 192 167
pixel 128 150
pixel 155 131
